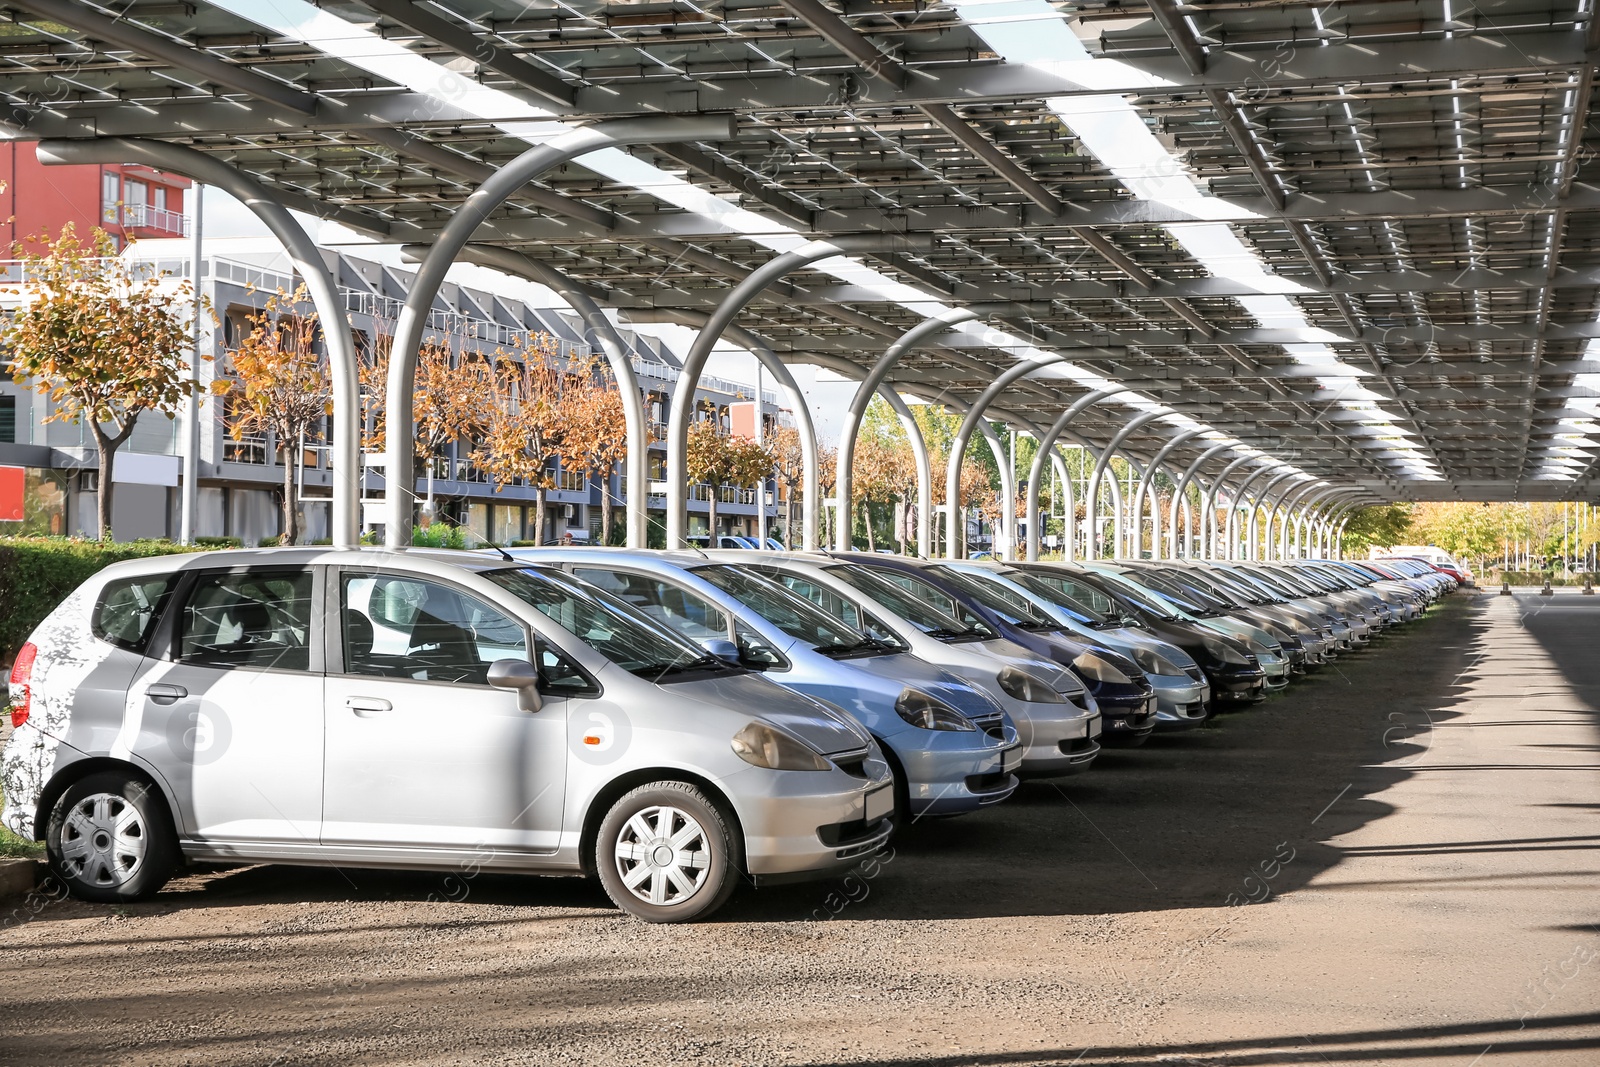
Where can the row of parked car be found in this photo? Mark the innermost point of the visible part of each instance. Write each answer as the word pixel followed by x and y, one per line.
pixel 672 723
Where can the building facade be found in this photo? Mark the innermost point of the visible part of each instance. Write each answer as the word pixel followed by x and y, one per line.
pixel 128 202
pixel 241 478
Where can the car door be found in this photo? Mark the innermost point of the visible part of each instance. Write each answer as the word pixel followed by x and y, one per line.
pixel 227 707
pixel 421 751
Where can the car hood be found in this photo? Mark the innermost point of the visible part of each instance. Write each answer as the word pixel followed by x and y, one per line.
pixel 1131 638
pixel 935 681
pixel 822 726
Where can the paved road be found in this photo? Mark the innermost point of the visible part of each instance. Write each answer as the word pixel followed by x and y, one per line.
pixel 1418 825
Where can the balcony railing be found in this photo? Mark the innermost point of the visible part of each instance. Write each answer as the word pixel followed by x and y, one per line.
pixel 146 217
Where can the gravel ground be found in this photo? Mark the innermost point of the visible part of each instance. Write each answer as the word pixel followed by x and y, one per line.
pixel 1417 823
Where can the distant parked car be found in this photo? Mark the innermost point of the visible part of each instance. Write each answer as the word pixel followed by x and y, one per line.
pixel 424 710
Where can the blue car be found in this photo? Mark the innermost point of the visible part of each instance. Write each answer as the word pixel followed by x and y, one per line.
pixel 952 748
pixel 1119 686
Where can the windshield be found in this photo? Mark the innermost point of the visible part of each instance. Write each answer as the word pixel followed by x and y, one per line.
pixel 1246 583
pixel 793 614
pixel 1190 592
pixel 1051 593
pixel 1010 605
pixel 1275 581
pixel 919 613
pixel 1146 599
pixel 926 591
pixel 606 624
pixel 1091 600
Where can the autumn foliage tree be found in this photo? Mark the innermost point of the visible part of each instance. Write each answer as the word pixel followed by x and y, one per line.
pixel 597 432
pixel 788 464
pixel 104 345
pixel 280 385
pixel 526 421
pixel 718 459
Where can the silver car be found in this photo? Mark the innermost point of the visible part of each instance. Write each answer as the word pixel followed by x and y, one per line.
pixel 421 710
pixel 1054 714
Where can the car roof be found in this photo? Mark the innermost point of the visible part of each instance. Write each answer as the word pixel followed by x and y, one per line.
pixel 304 555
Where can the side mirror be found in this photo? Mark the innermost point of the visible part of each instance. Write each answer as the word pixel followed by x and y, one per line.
pixel 521 676
pixel 725 650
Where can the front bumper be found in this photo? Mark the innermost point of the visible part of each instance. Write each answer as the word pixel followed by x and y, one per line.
pixel 1237 685
pixel 1055 746
pixel 952 772
pixel 1127 712
pixel 811 824
pixel 1181 702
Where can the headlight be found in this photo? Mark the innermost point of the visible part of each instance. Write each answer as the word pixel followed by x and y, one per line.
pixel 1153 662
pixel 920 709
pixel 1099 669
pixel 762 746
pixel 1223 652
pixel 1020 685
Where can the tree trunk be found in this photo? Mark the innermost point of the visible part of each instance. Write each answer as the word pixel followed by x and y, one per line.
pixel 106 450
pixel 538 515
pixel 866 517
pixel 291 525
pixel 711 515
pixel 106 446
pixel 605 507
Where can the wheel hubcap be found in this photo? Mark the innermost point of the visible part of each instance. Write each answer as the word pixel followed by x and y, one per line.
pixel 103 841
pixel 662 855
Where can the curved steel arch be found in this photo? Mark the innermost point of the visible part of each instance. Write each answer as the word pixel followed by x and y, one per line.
pixel 1183 486
pixel 1036 470
pixel 716 324
pixel 1144 484
pixel 1252 529
pixel 1091 490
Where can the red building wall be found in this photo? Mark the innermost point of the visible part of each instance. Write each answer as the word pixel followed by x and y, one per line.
pixel 39 199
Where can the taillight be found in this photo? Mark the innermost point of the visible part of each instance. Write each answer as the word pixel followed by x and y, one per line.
pixel 21 694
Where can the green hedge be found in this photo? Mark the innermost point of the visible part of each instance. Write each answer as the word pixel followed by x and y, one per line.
pixel 36 574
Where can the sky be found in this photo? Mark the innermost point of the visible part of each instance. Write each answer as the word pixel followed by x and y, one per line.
pixel 829 396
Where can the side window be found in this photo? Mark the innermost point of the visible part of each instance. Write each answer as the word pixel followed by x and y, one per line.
pixel 560 676
pixel 249 619
pixel 679 609
pixel 824 598
pixel 756 653
pixel 129 608
pixel 399 626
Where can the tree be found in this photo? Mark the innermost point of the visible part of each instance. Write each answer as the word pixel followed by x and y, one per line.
pixel 718 459
pixel 280 386
pixel 1378 526
pixel 526 421
pixel 597 432
pixel 788 461
pixel 103 344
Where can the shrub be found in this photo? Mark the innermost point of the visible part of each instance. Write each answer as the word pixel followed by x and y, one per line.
pixel 439 535
pixel 36 574
pixel 218 542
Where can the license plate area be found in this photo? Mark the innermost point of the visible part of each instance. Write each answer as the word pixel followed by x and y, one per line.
pixel 880 802
pixel 1011 758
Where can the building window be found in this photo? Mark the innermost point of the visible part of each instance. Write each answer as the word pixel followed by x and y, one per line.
pixel 8 420
pixel 158 197
pixel 110 195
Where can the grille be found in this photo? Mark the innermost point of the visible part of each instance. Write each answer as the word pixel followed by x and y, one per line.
pixel 1196 673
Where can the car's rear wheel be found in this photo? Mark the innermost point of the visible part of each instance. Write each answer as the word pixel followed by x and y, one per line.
pixel 666 853
pixel 110 839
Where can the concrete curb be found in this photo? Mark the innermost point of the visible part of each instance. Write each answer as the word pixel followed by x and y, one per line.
pixel 18 877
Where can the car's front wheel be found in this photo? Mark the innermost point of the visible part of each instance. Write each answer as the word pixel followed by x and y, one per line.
pixel 110 839
pixel 667 854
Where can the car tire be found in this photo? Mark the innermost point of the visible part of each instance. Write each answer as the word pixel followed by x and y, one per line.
pixel 666 853
pixel 110 839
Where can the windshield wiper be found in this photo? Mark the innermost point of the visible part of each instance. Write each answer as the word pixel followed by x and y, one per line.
pixel 707 662
pixel 850 648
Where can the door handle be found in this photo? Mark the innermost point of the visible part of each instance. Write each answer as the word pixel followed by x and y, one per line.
pixel 367 705
pixel 163 693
